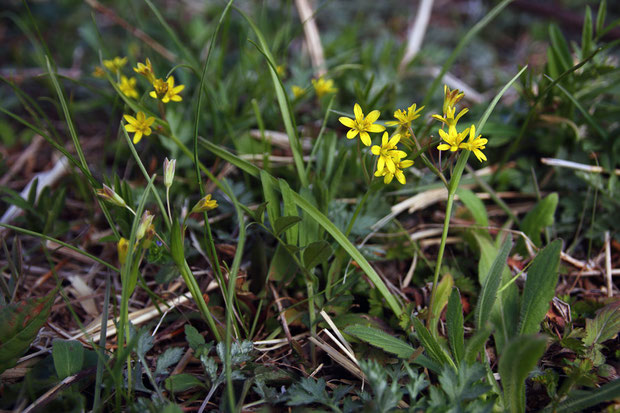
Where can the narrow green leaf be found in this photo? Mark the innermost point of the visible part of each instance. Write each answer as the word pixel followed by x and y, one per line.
pixel 290 209
pixel 284 223
pixel 475 206
pixel 560 47
pixel 475 344
pixel 20 325
pixel 68 357
pixel 182 382
pixel 600 17
pixel 539 288
pixel 273 202
pixel 316 253
pixel 491 284
pixel 579 401
pixel 540 217
pixel 432 347
pixel 455 323
pixel 381 339
pixel 517 361
pixel 587 34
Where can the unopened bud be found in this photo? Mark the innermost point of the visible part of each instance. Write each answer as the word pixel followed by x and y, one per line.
pixel 169 167
pixel 109 195
pixel 205 204
pixel 145 222
pixel 122 247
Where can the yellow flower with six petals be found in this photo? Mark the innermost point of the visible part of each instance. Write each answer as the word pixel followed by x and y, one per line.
pixel 388 154
pixel 128 87
pixel 404 119
pixel 146 69
pixel 116 64
pixel 166 91
pixel 452 139
pixel 362 125
pixel 475 144
pixel 398 172
pixel 322 87
pixel 140 125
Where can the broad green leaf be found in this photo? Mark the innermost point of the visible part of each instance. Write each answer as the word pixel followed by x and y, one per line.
pixel 290 209
pixel 517 361
pixel 20 325
pixel 455 324
pixel 284 223
pixel 540 217
pixel 475 206
pixel 182 382
pixel 604 326
pixel 542 278
pixel 193 337
pixel 579 401
pixel 441 299
pixel 432 347
pixel 316 253
pixel 491 284
pixel 381 339
pixel 273 202
pixel 68 357
pixel 282 264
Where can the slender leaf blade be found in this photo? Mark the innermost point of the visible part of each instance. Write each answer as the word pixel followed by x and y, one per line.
pixel 381 339
pixel 455 322
pixel 491 284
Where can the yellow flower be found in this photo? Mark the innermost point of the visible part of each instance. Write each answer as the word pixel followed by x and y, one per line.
pixel 98 72
pixel 116 64
pixel 146 69
pixel 166 91
pixel 451 98
pixel 122 247
pixel 362 125
pixel 141 125
pixel 281 70
pixel 475 144
pixel 404 119
pixel 298 91
pixel 453 139
pixel 205 204
pixel 449 119
pixel 322 87
pixel 128 87
pixel 398 172
pixel 388 154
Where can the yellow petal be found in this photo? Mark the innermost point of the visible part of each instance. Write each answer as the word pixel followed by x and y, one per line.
pixel 395 139
pixel 130 119
pixel 443 147
pixel 375 128
pixel 384 139
pixel 352 133
pixel 348 122
pixel 388 178
pixel 365 137
pixel 137 137
pixel 375 149
pixel 153 94
pixel 130 128
pixel 373 116
pixel 390 165
pixel 405 164
pixel 359 115
pixel 380 164
pixel 400 176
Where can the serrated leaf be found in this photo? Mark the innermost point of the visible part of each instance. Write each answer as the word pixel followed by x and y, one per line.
pixel 518 360
pixel 168 358
pixel 193 337
pixel 316 253
pixel 491 284
pixel 540 217
pixel 20 325
pixel 455 324
pixel 381 339
pixel 145 343
pixel 181 382
pixel 539 290
pixel 284 223
pixel 68 357
pixel 432 347
pixel 604 326
pixel 307 391
pixel 475 205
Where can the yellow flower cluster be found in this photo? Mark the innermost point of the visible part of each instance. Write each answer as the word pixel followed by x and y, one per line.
pixel 163 90
pixel 453 139
pixel 390 162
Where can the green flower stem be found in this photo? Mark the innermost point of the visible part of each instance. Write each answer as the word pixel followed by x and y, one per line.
pixel 452 187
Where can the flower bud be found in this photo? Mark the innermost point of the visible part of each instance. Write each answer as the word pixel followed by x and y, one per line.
pixel 109 195
pixel 145 223
pixel 122 247
pixel 205 204
pixel 169 167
